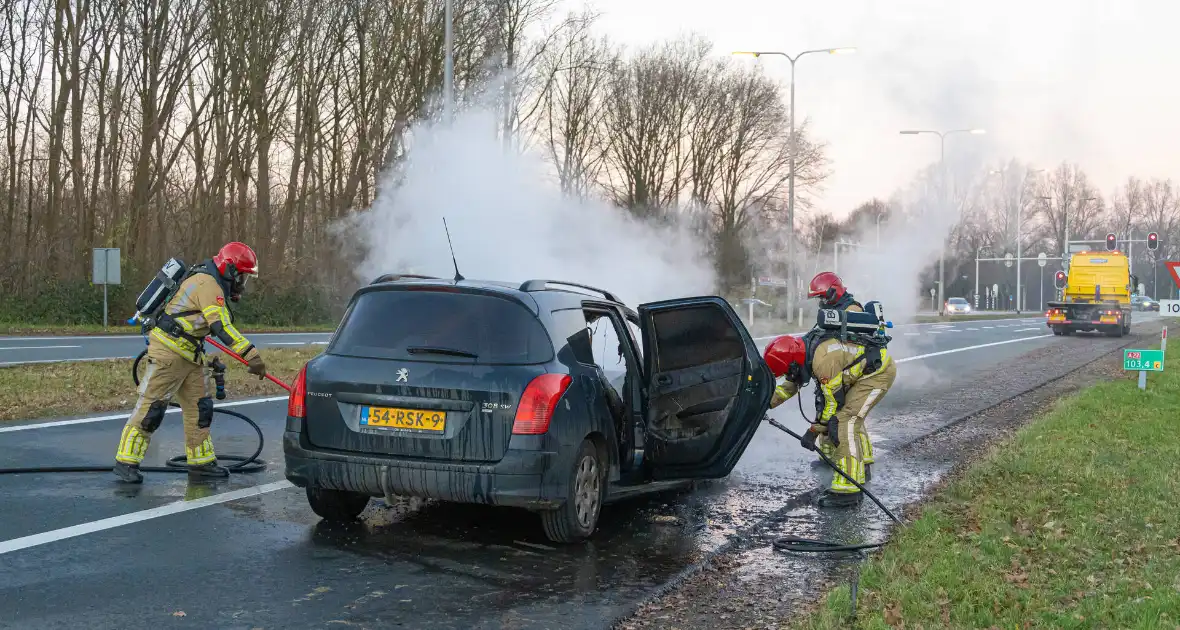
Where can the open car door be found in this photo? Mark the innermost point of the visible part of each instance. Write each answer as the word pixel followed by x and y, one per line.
pixel 707 387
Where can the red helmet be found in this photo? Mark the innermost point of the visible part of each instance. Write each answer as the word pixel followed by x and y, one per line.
pixel 827 286
pixel 244 260
pixel 236 262
pixel 784 352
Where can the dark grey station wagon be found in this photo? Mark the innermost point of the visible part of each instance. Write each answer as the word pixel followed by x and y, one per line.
pixel 549 396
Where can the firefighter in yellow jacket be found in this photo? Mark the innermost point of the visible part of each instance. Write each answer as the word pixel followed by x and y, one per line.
pixel 176 366
pixel 851 380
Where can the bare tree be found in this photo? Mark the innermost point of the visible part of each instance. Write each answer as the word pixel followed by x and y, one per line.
pixel 1068 201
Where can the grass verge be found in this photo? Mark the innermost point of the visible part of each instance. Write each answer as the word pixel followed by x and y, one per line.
pixel 14 329
pixel 48 390
pixel 1070 524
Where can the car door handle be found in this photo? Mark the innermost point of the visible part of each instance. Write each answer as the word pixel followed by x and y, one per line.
pixel 663 379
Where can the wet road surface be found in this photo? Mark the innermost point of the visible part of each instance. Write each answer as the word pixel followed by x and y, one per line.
pixel 266 561
pixel 20 350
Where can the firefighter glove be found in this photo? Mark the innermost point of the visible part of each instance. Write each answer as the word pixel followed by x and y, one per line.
pixel 834 430
pixel 808 440
pixel 256 366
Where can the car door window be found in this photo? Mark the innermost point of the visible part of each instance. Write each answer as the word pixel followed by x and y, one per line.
pixel 607 348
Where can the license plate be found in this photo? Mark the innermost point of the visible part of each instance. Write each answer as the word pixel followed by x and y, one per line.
pixel 1057 318
pixel 395 418
pixel 1109 320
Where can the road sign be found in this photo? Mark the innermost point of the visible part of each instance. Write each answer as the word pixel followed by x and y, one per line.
pixel 769 281
pixel 1170 308
pixel 105 266
pixel 105 270
pixel 1042 259
pixel 1143 360
pixel 932 292
pixel 1008 260
pixel 1174 269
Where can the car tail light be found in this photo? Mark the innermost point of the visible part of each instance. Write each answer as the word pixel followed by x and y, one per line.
pixel 297 402
pixel 538 402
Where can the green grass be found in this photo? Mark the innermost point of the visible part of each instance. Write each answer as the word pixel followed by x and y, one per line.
pixel 47 390
pixel 1071 524
pixel 14 329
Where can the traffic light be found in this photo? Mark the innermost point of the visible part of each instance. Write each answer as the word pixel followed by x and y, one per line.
pixel 1111 243
pixel 1153 241
pixel 1059 280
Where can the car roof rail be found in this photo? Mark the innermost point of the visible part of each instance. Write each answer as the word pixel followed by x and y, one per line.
pixel 543 285
pixel 394 277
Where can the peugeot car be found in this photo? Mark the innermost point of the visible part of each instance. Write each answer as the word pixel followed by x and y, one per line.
pixel 549 396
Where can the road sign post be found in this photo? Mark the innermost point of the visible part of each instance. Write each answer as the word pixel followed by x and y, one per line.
pixel 105 271
pixel 1143 361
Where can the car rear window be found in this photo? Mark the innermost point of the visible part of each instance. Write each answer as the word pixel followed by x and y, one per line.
pixel 410 325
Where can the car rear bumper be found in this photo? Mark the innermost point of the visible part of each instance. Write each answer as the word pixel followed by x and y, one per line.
pixel 520 479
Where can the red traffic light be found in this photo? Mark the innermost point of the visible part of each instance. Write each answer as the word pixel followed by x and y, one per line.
pixel 1111 243
pixel 1153 241
pixel 1059 279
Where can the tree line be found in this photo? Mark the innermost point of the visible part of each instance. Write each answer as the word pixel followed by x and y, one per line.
pixel 166 127
pixel 997 205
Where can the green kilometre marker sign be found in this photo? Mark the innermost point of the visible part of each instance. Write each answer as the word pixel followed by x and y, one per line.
pixel 1144 361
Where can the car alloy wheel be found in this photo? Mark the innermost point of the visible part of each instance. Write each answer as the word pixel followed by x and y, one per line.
pixel 587 491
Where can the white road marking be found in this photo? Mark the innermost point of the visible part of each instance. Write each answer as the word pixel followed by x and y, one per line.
pixel 953 330
pixel 1027 329
pixel 972 329
pixel 982 345
pixel 34 540
pixel 35 347
pixel 12 363
pixel 123 416
pixel 988 327
pixel 912 334
pixel 936 332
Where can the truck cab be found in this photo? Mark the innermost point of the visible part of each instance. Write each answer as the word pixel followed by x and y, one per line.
pixel 1096 296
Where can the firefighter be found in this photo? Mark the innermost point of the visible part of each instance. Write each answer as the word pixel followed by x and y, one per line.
pixel 850 380
pixel 829 289
pixel 176 363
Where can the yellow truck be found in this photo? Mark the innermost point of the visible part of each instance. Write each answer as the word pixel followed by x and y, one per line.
pixel 1096 295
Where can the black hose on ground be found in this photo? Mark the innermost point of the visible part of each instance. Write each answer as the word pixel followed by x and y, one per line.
pixel 177 464
pixel 808 545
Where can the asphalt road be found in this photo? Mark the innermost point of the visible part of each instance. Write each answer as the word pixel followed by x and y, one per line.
pixel 79 550
pixel 20 350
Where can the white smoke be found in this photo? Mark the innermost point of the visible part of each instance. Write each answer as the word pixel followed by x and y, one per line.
pixel 509 221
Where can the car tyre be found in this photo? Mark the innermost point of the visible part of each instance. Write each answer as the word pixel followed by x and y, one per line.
pixel 337 505
pixel 577 518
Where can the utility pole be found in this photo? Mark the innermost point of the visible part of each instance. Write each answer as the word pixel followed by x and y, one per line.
pixel 792 278
pixel 449 63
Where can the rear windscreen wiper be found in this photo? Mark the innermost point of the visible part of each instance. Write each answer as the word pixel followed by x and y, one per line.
pixel 437 350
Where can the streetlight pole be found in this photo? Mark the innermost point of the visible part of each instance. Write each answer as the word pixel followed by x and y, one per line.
pixel 449 62
pixel 1019 222
pixel 942 168
pixel 791 182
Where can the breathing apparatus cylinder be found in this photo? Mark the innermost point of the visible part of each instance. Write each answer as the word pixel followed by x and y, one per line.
pixel 159 290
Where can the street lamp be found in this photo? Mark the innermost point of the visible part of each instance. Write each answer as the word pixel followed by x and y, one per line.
pixel 791 184
pixel 942 168
pixel 1019 221
pixel 879 215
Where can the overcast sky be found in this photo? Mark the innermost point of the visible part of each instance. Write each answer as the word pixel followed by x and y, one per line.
pixel 1085 81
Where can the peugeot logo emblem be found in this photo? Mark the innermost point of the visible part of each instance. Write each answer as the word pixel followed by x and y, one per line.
pixel 403 375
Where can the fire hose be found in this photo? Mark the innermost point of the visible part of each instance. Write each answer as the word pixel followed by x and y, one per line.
pixel 241 464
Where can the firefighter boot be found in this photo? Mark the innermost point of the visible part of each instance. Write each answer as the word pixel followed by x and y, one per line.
pixel 128 473
pixel 207 471
pixel 833 499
